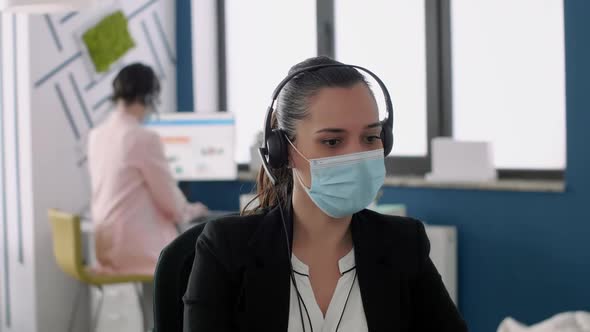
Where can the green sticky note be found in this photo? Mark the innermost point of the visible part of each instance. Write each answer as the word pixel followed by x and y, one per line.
pixel 108 41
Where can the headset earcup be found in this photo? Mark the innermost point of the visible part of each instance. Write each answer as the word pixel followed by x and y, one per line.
pixel 277 149
pixel 387 139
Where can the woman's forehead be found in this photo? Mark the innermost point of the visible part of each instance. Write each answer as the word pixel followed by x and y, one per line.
pixel 349 106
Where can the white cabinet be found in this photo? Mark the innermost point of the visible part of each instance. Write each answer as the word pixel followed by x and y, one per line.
pixel 443 253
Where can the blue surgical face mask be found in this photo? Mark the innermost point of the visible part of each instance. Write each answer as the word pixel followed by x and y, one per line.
pixel 345 184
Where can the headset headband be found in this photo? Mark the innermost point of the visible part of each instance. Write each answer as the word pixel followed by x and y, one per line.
pixel 263 150
pixel 279 88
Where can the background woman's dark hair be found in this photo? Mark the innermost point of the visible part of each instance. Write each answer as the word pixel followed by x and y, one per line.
pixel 292 106
pixel 136 83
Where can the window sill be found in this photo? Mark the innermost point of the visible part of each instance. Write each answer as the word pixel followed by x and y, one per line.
pixel 528 185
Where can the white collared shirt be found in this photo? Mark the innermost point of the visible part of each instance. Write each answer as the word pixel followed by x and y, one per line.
pixel 349 314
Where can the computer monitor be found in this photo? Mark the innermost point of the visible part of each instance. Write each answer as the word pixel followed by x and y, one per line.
pixel 198 146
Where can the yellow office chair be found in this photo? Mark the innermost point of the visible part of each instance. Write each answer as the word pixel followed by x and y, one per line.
pixel 67 248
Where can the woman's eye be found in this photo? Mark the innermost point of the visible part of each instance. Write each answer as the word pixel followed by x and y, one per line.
pixel 372 139
pixel 331 142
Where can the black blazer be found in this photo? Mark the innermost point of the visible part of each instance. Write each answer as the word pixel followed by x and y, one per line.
pixel 240 277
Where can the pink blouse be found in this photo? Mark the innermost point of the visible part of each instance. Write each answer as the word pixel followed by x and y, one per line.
pixel 135 200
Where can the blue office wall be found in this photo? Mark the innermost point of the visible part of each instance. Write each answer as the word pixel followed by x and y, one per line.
pixel 184 67
pixel 222 195
pixel 525 255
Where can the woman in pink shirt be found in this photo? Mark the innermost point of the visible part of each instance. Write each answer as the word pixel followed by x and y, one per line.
pixel 136 204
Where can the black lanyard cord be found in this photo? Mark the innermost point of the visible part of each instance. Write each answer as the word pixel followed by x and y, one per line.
pixel 289 253
pixel 345 303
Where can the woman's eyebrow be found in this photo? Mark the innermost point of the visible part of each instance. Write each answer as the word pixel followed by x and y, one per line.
pixel 331 130
pixel 340 130
pixel 376 124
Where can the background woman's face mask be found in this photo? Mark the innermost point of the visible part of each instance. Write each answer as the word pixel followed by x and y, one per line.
pixel 151 109
pixel 345 184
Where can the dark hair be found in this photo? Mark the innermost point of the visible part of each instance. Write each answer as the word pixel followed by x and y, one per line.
pixel 136 83
pixel 292 106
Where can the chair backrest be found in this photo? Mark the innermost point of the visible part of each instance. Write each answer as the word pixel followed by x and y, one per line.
pixel 171 278
pixel 67 242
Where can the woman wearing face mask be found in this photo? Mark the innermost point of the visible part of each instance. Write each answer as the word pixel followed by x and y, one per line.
pixel 309 257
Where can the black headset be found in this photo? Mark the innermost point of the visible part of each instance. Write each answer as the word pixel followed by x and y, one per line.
pixel 275 153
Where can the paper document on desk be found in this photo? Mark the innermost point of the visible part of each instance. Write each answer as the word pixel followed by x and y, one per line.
pixel 576 321
pixel 458 161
